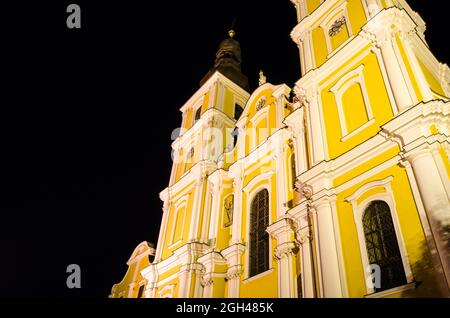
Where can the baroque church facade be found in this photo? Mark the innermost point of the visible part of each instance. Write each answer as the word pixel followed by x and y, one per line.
pixel 338 187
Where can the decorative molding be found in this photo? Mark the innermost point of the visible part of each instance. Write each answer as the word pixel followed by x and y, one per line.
pixel 304 235
pixel 262 78
pixel 353 77
pixel 358 212
pixel 284 250
pixel 304 189
pixel 234 272
pixel 337 26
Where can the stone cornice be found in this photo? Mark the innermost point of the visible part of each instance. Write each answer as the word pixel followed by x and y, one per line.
pixel 216 77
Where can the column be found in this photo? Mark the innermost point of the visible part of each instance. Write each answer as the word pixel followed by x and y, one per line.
pixel 212 95
pixel 184 279
pixel 304 237
pixel 397 79
pixel 193 229
pixel 149 291
pixel 435 200
pixel 281 177
pixel 306 51
pixel 151 275
pixel 284 255
pixel 422 82
pixel 373 7
pixel 236 233
pixel 436 151
pixel 233 255
pixel 317 137
pixel 328 250
pixel 162 230
pixel 295 122
pixel 214 218
pixel 211 262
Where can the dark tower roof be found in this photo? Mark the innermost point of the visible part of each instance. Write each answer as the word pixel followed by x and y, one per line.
pixel 228 62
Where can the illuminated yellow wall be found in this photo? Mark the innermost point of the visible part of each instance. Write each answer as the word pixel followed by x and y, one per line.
pixel 354 110
pixel 133 279
pixel 312 5
pixel 411 74
pixel 354 107
pixel 435 85
pixel 411 230
pixel 356 20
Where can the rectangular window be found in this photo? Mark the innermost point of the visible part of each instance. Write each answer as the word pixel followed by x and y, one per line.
pixel 141 291
pixel 238 110
pixel 198 114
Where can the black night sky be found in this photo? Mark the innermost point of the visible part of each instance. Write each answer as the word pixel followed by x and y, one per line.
pixel 86 119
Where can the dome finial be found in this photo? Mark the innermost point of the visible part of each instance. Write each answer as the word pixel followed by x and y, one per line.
pixel 232 32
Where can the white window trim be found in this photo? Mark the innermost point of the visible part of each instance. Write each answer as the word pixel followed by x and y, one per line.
pixel 348 80
pixel 195 108
pixel 392 291
pixel 256 277
pixel 180 204
pixel 251 192
pixel 327 22
pixel 261 114
pixel 241 102
pixel 358 212
pixel 169 289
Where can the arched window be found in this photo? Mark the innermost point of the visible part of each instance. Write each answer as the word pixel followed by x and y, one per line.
pixel 238 110
pixel 382 245
pixel 198 114
pixel 259 238
pixel 235 136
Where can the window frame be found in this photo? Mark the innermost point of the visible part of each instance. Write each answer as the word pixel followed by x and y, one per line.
pixel 356 76
pixel 380 231
pixel 255 230
pixel 182 203
pixel 358 212
pixel 326 23
pixel 241 111
pixel 262 181
pixel 141 290
pixel 198 111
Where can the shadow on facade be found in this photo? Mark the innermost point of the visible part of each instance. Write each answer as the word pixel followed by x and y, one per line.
pixel 428 280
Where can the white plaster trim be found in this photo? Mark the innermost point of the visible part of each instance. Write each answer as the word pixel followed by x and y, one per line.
pixel 392 291
pixel 340 254
pixel 251 192
pixel 358 130
pixel 402 64
pixel 182 203
pixel 387 83
pixel 163 291
pixel 256 277
pixel 312 21
pixel 358 213
pixel 353 77
pixel 339 10
pixel 216 77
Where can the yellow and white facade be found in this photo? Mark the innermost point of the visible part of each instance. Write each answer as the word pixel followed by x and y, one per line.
pixel 354 167
pixel 133 284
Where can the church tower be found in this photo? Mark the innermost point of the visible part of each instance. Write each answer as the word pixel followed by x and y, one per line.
pixel 377 108
pixel 336 188
pixel 208 121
